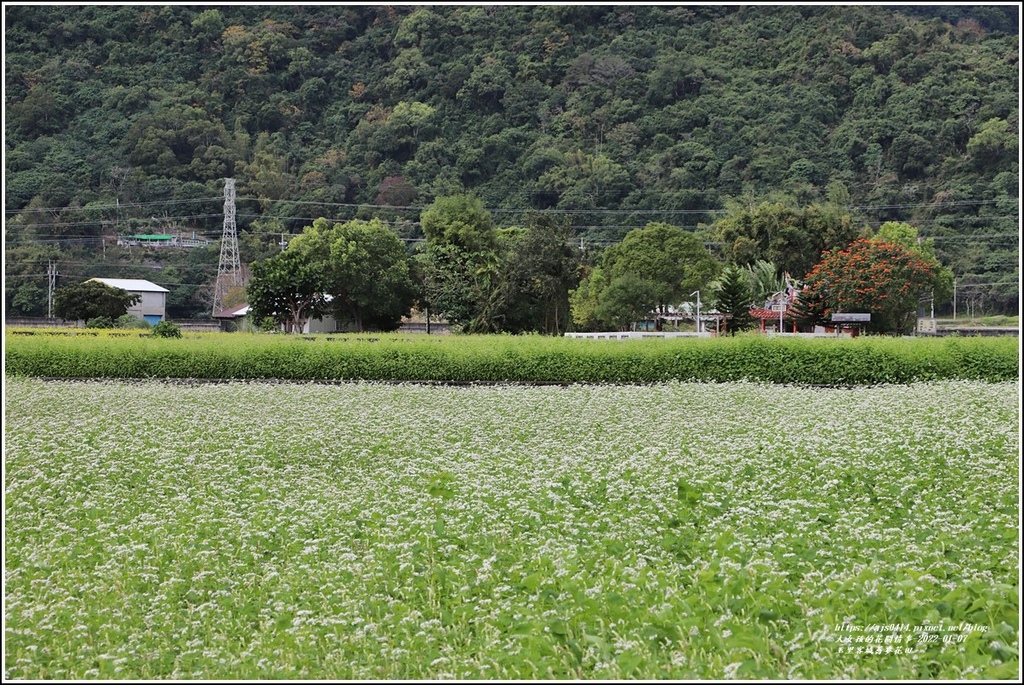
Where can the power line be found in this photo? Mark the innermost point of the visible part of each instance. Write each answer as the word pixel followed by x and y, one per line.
pixel 131 220
pixel 943 238
pixel 116 206
pixel 420 208
pixel 211 235
pixel 247 215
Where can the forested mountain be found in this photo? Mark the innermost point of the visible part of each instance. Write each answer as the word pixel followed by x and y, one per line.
pixel 126 119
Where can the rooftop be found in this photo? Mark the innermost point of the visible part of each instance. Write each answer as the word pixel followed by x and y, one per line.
pixel 136 285
pixel 233 312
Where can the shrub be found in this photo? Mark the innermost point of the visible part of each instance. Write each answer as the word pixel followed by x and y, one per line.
pixel 99 322
pixel 268 325
pixel 131 321
pixel 166 329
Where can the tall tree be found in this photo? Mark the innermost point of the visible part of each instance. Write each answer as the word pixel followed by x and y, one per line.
pixel 659 264
pixel 674 260
pixel 584 300
pixel 765 281
pixel 538 271
pixel 790 237
pixel 367 274
pixel 883 279
pixel 733 297
pixel 906 236
pixel 463 265
pixel 627 300
pixel 809 307
pixel 287 288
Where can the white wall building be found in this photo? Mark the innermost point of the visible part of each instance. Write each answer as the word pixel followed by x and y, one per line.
pixel 153 305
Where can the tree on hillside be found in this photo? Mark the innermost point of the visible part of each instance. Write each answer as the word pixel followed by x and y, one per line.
pixel 24 280
pixel 884 279
pixel 123 118
pixel 287 288
pixel 462 221
pixel 92 299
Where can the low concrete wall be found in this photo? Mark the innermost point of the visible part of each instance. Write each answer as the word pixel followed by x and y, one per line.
pixel 628 335
pixel 38 322
pixel 43 322
pixel 435 328
pixel 199 325
pixel 941 332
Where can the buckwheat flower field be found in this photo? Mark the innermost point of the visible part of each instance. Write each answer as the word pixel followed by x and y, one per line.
pixel 356 531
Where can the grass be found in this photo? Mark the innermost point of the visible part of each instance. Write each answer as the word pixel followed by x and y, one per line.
pixel 998 320
pixel 669 531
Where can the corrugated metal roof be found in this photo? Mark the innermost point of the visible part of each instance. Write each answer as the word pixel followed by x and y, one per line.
pixel 136 285
pixel 234 312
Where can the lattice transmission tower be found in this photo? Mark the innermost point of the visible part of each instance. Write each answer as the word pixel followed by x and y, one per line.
pixel 229 270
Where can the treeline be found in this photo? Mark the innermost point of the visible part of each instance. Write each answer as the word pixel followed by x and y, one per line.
pixel 533 279
pixel 124 119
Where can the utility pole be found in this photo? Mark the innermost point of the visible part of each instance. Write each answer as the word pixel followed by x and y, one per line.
pixel 229 270
pixel 954 299
pixel 697 293
pixel 51 282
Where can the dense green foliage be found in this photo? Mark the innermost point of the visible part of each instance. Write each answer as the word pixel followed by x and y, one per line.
pixel 516 358
pixel 286 288
pixel 166 329
pixel 131 321
pixel 123 120
pixel 100 322
pixel 791 238
pixel 652 268
pixel 363 270
pixel 461 264
pixel 872 276
pixel 540 268
pixel 92 299
pixel 733 297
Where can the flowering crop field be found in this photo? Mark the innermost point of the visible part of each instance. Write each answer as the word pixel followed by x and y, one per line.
pixel 358 531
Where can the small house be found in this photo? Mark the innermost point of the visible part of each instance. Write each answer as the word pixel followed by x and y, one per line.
pixel 234 319
pixel 153 305
pixel 237 319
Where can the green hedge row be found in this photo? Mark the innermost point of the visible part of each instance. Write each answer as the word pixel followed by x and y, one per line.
pixel 528 359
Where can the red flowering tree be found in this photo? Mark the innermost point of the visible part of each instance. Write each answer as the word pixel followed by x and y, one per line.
pixel 882 278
